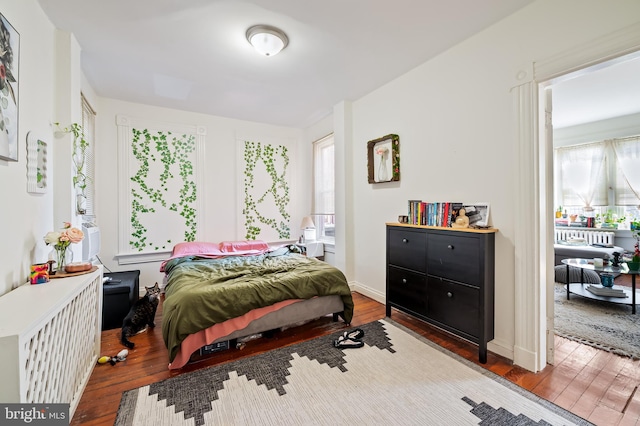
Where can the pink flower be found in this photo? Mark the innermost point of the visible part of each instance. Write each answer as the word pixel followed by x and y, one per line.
pixel 382 150
pixel 74 235
pixel 62 239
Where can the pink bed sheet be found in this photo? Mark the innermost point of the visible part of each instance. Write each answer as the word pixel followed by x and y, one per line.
pixel 193 342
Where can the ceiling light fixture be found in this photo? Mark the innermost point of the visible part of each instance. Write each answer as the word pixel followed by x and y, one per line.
pixel 267 40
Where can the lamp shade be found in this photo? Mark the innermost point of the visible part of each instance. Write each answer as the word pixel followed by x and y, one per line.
pixel 267 40
pixel 307 222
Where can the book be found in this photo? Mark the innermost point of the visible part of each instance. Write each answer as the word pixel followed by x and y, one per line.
pixel 454 209
pixel 606 291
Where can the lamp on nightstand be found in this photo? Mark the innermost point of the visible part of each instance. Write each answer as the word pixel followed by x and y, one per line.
pixel 308 229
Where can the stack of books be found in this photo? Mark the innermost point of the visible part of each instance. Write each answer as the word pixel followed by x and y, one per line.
pixel 598 290
pixel 433 214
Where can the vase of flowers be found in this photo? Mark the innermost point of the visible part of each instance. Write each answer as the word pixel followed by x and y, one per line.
pixel 634 265
pixel 61 241
pixel 383 175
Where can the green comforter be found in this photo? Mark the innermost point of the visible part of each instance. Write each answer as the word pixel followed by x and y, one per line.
pixel 202 292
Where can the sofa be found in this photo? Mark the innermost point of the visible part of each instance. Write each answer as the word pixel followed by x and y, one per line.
pixel 584 243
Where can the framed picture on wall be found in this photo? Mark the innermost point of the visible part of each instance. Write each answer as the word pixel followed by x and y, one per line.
pixel 9 63
pixel 383 159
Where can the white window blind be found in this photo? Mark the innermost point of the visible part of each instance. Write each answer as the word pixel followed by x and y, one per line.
pixel 324 176
pixel 627 178
pixel 583 180
pixel 324 188
pixel 88 126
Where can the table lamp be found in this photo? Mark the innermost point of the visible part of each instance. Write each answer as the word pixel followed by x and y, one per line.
pixel 308 229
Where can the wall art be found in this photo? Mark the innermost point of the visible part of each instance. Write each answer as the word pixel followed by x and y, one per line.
pixel 9 64
pixel 383 159
pixel 36 163
pixel 266 190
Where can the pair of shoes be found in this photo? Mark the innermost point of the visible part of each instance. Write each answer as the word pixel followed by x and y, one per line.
pixel 350 339
pixel 355 334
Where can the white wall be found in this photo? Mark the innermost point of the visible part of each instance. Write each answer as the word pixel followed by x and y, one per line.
pixel 220 191
pixel 457 128
pixel 27 217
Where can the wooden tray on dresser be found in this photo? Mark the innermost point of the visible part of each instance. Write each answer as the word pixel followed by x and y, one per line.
pixel 72 274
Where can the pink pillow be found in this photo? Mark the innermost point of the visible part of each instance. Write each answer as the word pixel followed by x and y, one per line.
pixel 235 246
pixel 194 247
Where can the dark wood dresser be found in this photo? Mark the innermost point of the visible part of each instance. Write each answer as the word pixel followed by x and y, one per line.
pixel 444 276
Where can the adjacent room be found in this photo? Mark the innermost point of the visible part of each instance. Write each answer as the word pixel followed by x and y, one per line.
pixel 595 138
pixel 242 212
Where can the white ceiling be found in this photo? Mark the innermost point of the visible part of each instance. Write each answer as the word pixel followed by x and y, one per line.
pixel 604 91
pixel 192 55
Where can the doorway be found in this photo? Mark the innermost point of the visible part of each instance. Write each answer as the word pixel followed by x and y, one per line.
pixel 534 180
pixel 592 104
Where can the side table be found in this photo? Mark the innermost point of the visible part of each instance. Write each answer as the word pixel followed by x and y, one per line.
pixel 119 295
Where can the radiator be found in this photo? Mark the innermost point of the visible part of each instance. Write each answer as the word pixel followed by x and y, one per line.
pixel 50 339
pixel 591 237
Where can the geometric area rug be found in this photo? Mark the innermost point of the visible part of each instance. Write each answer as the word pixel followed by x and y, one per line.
pixel 397 377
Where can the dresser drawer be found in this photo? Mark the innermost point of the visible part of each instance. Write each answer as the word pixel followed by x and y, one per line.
pixel 454 305
pixel 454 257
pixel 407 248
pixel 407 289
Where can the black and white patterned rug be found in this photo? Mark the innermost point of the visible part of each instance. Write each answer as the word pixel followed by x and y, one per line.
pixel 398 377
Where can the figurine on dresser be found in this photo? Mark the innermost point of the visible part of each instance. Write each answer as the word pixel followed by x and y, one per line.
pixel 462 221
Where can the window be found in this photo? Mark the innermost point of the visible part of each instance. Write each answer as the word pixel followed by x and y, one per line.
pixel 324 188
pixel 88 126
pixel 603 176
pixel 582 175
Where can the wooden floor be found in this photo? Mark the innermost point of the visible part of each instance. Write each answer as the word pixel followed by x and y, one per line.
pixel 596 385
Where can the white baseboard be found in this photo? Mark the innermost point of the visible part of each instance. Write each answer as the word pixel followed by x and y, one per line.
pixel 526 359
pixel 368 291
pixel 501 348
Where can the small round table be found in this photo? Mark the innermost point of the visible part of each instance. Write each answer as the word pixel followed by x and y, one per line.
pixel 579 288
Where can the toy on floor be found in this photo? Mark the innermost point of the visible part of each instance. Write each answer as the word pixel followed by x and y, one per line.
pixel 121 356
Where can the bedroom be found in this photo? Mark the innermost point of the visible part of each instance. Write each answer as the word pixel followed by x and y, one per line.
pixel 470 83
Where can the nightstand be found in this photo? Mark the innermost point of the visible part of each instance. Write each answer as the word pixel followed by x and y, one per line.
pixel 312 249
pixel 118 295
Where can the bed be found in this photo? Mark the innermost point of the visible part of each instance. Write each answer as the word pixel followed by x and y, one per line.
pixel 222 291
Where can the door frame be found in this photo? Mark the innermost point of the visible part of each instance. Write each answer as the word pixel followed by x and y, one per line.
pixel 535 182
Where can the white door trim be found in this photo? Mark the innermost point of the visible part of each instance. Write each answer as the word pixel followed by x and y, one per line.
pixel 534 180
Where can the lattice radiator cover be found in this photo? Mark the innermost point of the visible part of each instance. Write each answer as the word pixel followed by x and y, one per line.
pixel 591 237
pixel 50 339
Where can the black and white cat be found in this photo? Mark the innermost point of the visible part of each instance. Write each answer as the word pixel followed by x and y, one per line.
pixel 141 315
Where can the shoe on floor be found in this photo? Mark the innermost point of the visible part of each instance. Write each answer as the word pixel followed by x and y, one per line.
pixel 346 343
pixel 355 334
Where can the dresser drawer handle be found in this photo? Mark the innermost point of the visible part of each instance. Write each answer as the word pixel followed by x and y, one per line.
pixel 404 240
pixel 450 247
pixel 404 281
pixel 449 294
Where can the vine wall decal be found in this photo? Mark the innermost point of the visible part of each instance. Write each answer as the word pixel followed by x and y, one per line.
pixel 266 197
pixel 160 157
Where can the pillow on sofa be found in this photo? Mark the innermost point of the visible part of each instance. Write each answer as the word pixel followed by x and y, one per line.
pixel 590 277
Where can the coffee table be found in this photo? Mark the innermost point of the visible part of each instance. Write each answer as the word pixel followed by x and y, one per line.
pixel 581 290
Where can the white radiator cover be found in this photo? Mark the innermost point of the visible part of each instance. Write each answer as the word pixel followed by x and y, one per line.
pixel 50 339
pixel 591 237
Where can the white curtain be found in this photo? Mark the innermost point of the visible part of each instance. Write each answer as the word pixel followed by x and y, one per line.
pixel 627 152
pixel 582 169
